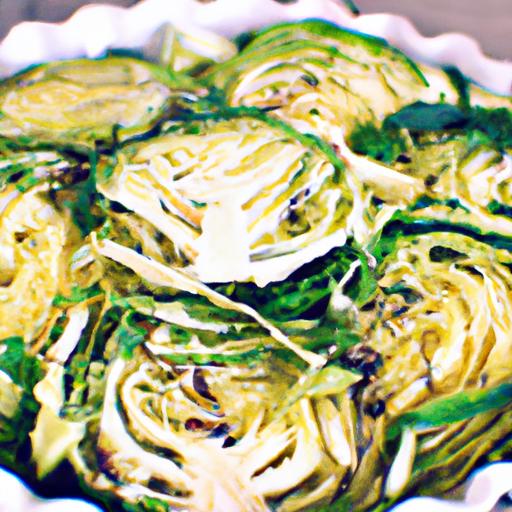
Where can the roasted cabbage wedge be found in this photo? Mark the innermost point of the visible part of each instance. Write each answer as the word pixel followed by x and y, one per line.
pixel 204 416
pixel 81 102
pixel 323 79
pixel 273 278
pixel 240 199
pixel 457 158
pixel 331 82
pixel 440 318
pixel 35 240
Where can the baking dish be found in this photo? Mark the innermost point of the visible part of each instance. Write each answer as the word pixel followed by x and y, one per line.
pixel 95 28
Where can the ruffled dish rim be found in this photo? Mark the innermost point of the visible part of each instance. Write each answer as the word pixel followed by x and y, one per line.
pixel 95 28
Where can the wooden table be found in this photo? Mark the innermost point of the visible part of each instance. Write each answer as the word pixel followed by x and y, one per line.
pixel 488 21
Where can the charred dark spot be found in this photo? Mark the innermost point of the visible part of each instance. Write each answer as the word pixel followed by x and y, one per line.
pixel 164 207
pixel 158 485
pixel 376 409
pixel 68 383
pixel 368 306
pixel 470 269
pixel 337 149
pixel 440 253
pixel 431 180
pixel 229 441
pixel 118 207
pixel 159 236
pixel 362 358
pixel 310 80
pixel 15 177
pixel 194 424
pixel 73 174
pixel 271 108
pixel 221 430
pixel 293 218
pixel 403 159
pixel 201 386
pixel 20 236
pixel 104 463
pixel 400 311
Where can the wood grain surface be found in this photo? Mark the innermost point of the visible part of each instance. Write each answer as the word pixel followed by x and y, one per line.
pixel 489 21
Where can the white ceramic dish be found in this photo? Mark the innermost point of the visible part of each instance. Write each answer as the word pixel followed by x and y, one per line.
pixel 95 28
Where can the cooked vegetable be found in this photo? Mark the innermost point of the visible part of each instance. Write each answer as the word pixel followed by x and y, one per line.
pixel 323 79
pixel 189 49
pixel 288 289
pixel 19 373
pixel 32 241
pixel 255 206
pixel 458 158
pixel 78 103
pixel 480 178
pixel 212 392
pixel 197 414
pixel 440 319
pixel 25 169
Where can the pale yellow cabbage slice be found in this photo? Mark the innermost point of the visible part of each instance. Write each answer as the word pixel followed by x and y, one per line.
pixel 241 200
pixel 32 240
pixel 441 320
pixel 82 101
pixel 271 458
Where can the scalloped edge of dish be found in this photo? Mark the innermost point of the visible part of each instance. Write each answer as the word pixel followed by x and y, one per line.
pixel 95 28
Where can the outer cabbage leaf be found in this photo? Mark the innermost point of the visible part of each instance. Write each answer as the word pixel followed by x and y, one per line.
pixel 80 102
pixel 323 79
pixel 240 199
pixel 19 373
pixel 32 240
pixel 441 319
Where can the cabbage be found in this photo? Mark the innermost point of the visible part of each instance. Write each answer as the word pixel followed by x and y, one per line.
pixel 291 292
pixel 323 79
pixel 36 237
pixel 479 177
pixel 83 101
pixel 190 49
pixel 342 86
pixel 457 162
pixel 209 420
pixel 32 240
pixel 440 320
pixel 240 199
pixel 195 406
